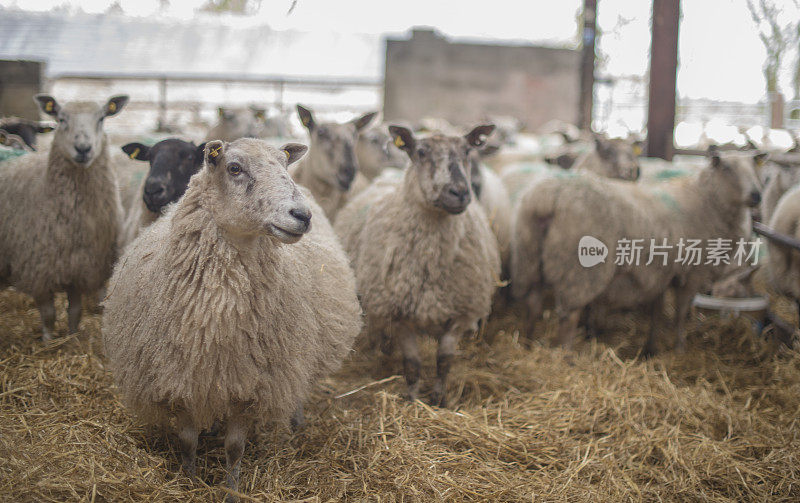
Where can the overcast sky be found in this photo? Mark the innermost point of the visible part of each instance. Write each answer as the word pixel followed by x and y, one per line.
pixel 720 53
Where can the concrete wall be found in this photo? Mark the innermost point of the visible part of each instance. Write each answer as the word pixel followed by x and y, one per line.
pixel 19 81
pixel 427 76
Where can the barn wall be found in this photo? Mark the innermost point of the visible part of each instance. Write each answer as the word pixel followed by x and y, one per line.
pixel 19 81
pixel 461 82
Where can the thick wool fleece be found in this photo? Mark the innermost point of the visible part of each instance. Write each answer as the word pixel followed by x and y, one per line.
pixel 783 263
pixel 418 264
pixel 197 322
pixel 58 223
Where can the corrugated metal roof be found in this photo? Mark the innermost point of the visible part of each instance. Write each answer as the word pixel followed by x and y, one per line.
pixel 94 43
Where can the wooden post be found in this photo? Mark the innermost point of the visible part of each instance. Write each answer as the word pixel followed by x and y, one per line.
pixel 663 74
pixel 587 64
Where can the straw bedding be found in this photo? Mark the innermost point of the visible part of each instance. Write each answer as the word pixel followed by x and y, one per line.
pixel 594 424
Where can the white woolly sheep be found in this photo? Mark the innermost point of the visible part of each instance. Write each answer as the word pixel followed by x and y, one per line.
pixel 783 263
pixel 554 214
pixel 779 178
pixel 376 152
pixel 60 212
pixel 426 261
pixel 219 311
pixel 330 170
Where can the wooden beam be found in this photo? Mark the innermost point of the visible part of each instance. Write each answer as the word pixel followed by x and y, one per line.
pixel 589 35
pixel 663 74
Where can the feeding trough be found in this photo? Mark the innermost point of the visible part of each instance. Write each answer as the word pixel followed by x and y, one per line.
pixel 754 308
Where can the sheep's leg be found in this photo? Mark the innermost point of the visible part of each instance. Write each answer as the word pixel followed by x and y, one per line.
pixel 444 359
pixel 74 309
pixel 683 301
pixel 411 362
pixel 187 434
pixel 234 449
pixel 534 304
pixel 47 311
pixel 567 326
pixel 298 419
pixel 650 346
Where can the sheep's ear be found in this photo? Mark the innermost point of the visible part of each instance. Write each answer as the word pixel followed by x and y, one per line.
pixel 294 152
pixel 44 127
pixel 403 138
pixel 306 117
pixel 115 105
pixel 363 121
pixel 714 156
pixel 137 151
pixel 477 137
pixel 601 145
pixel 259 113
pixel 213 152
pixel 47 104
pixel 759 158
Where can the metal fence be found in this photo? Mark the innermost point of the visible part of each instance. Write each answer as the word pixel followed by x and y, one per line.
pixel 172 100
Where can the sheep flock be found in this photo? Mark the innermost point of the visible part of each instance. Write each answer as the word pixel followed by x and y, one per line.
pixel 324 310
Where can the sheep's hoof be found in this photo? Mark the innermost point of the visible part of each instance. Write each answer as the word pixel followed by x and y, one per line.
pixel 439 400
pixel 190 470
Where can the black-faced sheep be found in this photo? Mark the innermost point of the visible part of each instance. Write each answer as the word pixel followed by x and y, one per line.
pixel 426 261
pixel 230 306
pixel 25 129
pixel 60 211
pixel 172 163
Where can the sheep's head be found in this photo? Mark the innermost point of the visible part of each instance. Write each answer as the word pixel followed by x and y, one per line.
pixel 172 164
pixel 252 191
pixel 442 164
pixel 375 148
pixel 17 129
pixel 79 134
pixel 333 145
pixel 734 176
pixel 619 157
pixel 240 122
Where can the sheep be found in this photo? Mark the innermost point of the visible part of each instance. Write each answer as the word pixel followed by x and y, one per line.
pixel 60 211
pixel 492 195
pixel 219 311
pixel 778 179
pixel 614 158
pixel 375 152
pixel 554 215
pixel 425 258
pixel 330 170
pixel 25 129
pixel 172 163
pixel 14 141
pixel 782 262
pixel 235 123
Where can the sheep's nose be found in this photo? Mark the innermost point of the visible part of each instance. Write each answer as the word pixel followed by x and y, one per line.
pixel 83 149
pixel 755 197
pixel 459 192
pixel 155 188
pixel 302 214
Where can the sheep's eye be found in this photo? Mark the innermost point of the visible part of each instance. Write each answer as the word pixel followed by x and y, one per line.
pixel 421 152
pixel 234 169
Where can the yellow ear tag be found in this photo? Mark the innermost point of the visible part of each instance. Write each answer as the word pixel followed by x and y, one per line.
pixel 398 141
pixel 287 153
pixel 134 153
pixel 637 150
pixel 214 152
pixel 112 107
pixel 48 107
